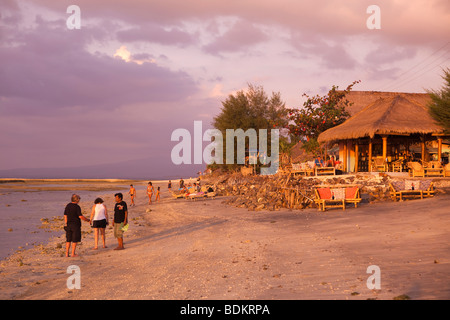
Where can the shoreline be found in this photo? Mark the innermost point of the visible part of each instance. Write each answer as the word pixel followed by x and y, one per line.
pixel 195 250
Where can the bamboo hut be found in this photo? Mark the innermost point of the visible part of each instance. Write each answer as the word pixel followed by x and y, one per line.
pixel 381 133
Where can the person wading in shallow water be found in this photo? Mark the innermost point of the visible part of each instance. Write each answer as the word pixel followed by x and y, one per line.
pixel 120 219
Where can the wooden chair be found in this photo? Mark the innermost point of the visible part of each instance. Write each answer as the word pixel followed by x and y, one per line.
pixel 302 168
pixel 324 199
pixel 336 196
pixel 378 164
pixel 397 166
pixel 434 164
pixel 352 195
pixel 416 169
pixel 447 170
pixel 401 189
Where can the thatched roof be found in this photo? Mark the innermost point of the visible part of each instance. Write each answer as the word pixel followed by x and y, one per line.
pixel 393 115
pixel 361 99
pixel 298 154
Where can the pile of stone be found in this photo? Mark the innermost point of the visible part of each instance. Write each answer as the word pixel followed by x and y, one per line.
pixel 274 192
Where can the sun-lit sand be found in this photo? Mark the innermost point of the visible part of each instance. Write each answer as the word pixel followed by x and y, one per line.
pixel 182 249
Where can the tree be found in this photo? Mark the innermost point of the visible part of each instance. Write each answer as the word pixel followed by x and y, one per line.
pixel 439 108
pixel 319 113
pixel 252 109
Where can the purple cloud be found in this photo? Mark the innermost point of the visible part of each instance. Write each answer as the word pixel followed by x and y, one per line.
pixel 152 33
pixel 239 37
pixel 51 69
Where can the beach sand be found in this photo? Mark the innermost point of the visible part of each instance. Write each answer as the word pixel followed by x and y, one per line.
pixel 194 250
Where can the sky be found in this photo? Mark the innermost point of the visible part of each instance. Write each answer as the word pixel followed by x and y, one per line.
pixel 110 94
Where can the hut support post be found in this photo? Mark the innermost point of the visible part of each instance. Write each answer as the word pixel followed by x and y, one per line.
pixel 370 155
pixel 356 156
pixel 385 152
pixel 439 154
pixel 423 148
pixel 384 147
pixel 345 157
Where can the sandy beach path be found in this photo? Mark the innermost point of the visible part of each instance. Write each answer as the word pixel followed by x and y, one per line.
pixel 206 250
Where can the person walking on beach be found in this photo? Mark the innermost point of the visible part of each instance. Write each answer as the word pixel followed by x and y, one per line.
pixel 169 185
pixel 120 219
pixel 150 191
pixel 132 193
pixel 72 224
pixel 99 221
pixel 158 193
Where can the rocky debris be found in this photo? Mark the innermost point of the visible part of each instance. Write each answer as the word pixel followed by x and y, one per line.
pixel 274 192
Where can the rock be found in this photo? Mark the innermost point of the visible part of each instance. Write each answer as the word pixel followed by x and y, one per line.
pixel 256 192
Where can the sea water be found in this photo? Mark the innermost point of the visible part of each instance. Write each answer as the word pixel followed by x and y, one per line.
pixel 21 211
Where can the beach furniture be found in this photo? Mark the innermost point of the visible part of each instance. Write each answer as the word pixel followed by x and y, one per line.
pixel 397 166
pixel 447 170
pixel 379 164
pixel 402 189
pixel 325 171
pixel 434 169
pixel 302 169
pixel 336 196
pixel 195 196
pixel 208 194
pixel 416 169
pixel 178 195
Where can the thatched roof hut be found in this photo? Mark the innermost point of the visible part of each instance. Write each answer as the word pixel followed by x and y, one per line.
pixel 381 133
pixel 386 116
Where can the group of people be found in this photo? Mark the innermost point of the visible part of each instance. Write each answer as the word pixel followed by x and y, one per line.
pixel 184 188
pixel 98 220
pixel 151 190
pixel 318 162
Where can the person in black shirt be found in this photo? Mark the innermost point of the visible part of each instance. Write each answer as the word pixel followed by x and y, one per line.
pixel 120 219
pixel 72 224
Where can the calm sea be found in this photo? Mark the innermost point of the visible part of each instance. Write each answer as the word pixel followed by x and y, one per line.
pixel 21 211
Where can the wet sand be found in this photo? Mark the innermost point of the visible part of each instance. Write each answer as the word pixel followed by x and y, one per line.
pixel 195 250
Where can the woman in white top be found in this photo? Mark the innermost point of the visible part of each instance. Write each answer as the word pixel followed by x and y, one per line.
pixel 99 220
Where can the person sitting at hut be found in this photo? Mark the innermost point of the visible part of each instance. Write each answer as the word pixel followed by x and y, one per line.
pixel 331 162
pixel 318 162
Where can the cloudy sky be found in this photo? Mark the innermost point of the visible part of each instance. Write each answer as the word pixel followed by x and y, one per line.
pixel 114 90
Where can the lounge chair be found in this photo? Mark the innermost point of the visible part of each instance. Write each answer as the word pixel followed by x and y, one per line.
pixel 434 164
pixel 208 193
pixel 196 195
pixel 178 195
pixel 447 170
pixel 416 169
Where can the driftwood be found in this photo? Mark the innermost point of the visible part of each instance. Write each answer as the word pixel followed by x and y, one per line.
pixel 275 192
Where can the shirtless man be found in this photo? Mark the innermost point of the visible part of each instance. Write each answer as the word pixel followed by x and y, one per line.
pixel 132 193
